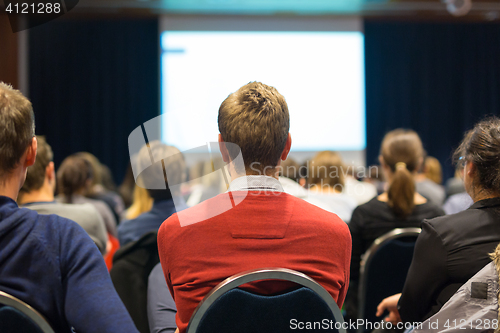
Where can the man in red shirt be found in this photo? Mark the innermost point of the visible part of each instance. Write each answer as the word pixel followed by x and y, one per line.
pixel 255 224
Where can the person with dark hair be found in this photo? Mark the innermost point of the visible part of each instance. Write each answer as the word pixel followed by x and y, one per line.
pixel 48 261
pixel 163 200
pixel 103 187
pixel 399 207
pixel 74 177
pixel 452 248
pixel 37 194
pixel 255 224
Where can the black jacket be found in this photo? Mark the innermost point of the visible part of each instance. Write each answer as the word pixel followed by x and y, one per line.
pixel 449 251
pixel 132 265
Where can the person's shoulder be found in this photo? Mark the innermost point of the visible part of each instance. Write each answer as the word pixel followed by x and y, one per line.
pixel 51 226
pixel 320 217
pixel 431 209
pixel 373 206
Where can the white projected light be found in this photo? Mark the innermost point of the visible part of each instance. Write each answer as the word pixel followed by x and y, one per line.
pixel 321 75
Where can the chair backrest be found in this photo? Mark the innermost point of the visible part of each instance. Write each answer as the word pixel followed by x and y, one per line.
pixel 383 271
pixel 228 308
pixel 17 316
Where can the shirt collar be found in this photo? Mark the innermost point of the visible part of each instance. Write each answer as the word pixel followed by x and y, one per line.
pixel 253 183
pixel 492 202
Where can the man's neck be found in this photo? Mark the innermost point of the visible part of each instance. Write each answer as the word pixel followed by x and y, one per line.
pixel 9 186
pixel 40 195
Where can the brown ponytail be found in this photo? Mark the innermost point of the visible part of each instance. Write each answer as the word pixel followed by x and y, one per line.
pixel 402 151
pixel 401 192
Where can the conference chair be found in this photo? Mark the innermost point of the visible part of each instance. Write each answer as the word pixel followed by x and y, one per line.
pixel 383 272
pixel 229 309
pixel 17 316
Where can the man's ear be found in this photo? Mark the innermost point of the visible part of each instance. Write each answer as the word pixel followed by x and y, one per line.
pixel 288 145
pixel 223 150
pixel 50 172
pixel 31 153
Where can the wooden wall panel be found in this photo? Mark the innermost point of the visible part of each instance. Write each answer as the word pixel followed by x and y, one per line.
pixel 9 54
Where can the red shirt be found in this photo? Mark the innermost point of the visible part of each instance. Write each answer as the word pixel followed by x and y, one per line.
pixel 266 229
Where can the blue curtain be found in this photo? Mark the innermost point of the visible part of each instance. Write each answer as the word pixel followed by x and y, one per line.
pixel 436 78
pixel 92 81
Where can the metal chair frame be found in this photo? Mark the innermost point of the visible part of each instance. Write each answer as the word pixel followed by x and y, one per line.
pixel 27 310
pixel 369 254
pixel 263 274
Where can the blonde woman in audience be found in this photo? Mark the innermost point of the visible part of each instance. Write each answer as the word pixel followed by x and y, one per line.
pixel 400 206
pixel 432 170
pixel 326 183
pixel 142 202
pixel 428 181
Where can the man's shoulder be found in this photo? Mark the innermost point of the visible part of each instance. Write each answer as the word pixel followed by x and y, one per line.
pixel 69 211
pixel 221 207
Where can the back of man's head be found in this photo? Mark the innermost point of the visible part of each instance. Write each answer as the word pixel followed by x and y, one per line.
pixel 170 163
pixel 256 119
pixel 37 172
pixel 17 128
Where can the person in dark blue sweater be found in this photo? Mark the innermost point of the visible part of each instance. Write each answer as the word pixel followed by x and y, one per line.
pixel 48 261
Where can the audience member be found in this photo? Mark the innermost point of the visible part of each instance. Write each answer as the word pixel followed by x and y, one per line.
pixel 267 228
pixel 456 184
pixel 142 203
pixel 432 170
pixel 429 188
pixel 163 200
pixel 38 195
pixel 289 177
pixel 74 178
pixel 326 184
pixel 457 203
pixel 474 307
pixel 451 249
pixel 209 183
pixel 126 189
pixel 362 192
pixel 161 305
pixel 48 261
pixel 103 187
pixel 400 207
pixel 132 265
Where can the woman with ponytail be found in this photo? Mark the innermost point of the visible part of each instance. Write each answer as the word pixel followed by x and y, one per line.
pixel 452 248
pixel 400 206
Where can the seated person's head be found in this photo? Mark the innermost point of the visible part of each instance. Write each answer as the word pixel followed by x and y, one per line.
pixel 290 169
pixel 42 170
pixel 170 164
pixel 255 118
pixel 401 155
pixel 432 169
pixel 17 135
pixel 479 155
pixel 326 171
pixel 74 176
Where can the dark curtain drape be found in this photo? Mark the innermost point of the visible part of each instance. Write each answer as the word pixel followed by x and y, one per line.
pixel 92 82
pixel 436 78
